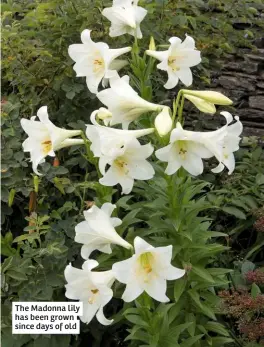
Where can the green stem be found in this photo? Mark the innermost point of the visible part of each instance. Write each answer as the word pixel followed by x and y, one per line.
pixel 89 157
pixel 175 105
pixel 179 118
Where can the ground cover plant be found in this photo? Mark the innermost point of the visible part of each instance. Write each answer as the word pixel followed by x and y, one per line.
pixel 120 219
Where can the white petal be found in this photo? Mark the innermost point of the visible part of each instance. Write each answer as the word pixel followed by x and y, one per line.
pixel 86 36
pixel 164 153
pixel 94 81
pixel 116 222
pixel 173 166
pixel 108 208
pixel 132 291
pixel 193 164
pixel 185 75
pixel 110 178
pixel 90 264
pixel 86 250
pixel 172 273
pixel 175 42
pixel 140 170
pixel 172 80
pixel 42 114
pixel 229 162
pixel 101 317
pixel 141 245
pixel 158 55
pixel 89 311
pixel 188 43
pixel 122 270
pixel 219 168
pixel 126 183
pixel 78 52
pixel 156 288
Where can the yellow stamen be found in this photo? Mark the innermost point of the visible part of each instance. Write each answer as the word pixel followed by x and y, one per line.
pixel 146 260
pixel 91 299
pixel 121 165
pixel 46 146
pixel 98 65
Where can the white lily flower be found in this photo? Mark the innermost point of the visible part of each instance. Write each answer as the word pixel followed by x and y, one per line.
pixel 125 17
pixel 177 61
pixel 45 138
pixel 147 270
pixel 186 149
pixel 91 288
pixel 123 102
pixel 230 143
pixel 163 122
pixel 95 60
pixel 98 232
pixel 127 165
pixel 109 141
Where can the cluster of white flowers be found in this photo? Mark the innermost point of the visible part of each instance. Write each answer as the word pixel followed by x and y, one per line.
pixel 123 159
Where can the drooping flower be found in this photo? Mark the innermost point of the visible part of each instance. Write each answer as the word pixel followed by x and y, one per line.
pixel 205 100
pixel 125 17
pixel 230 144
pixel 163 122
pixel 178 60
pixel 109 141
pixel 95 60
pixel 98 232
pixel 45 138
pixel 123 102
pixel 147 270
pixel 127 165
pixel 90 287
pixel 186 149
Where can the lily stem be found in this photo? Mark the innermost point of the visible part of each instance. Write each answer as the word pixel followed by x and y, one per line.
pixel 175 105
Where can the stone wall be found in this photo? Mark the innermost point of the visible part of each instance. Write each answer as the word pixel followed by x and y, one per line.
pixel 241 77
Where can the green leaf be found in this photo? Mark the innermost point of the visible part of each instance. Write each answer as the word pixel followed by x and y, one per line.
pixel 179 286
pixel 16 275
pixel 235 212
pixel 203 273
pixel 216 328
pixel 136 319
pixel 247 266
pixel 220 341
pixel 255 290
pixel 191 341
pixel 260 179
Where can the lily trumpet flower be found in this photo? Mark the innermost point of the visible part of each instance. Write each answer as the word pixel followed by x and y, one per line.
pixel 90 287
pixel 178 60
pixel 147 270
pixel 123 102
pixel 186 149
pixel 98 232
pixel 44 138
pixel 109 141
pixel 127 165
pixel 125 17
pixel 230 143
pixel 95 60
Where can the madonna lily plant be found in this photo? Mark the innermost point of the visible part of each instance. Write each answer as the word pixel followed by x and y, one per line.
pixel 155 251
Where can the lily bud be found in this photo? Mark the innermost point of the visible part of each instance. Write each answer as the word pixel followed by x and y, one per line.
pixel 201 104
pixel 210 96
pixel 105 115
pixel 152 46
pixel 163 122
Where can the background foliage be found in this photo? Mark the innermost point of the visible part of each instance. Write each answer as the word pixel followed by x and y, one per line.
pixel 39 218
